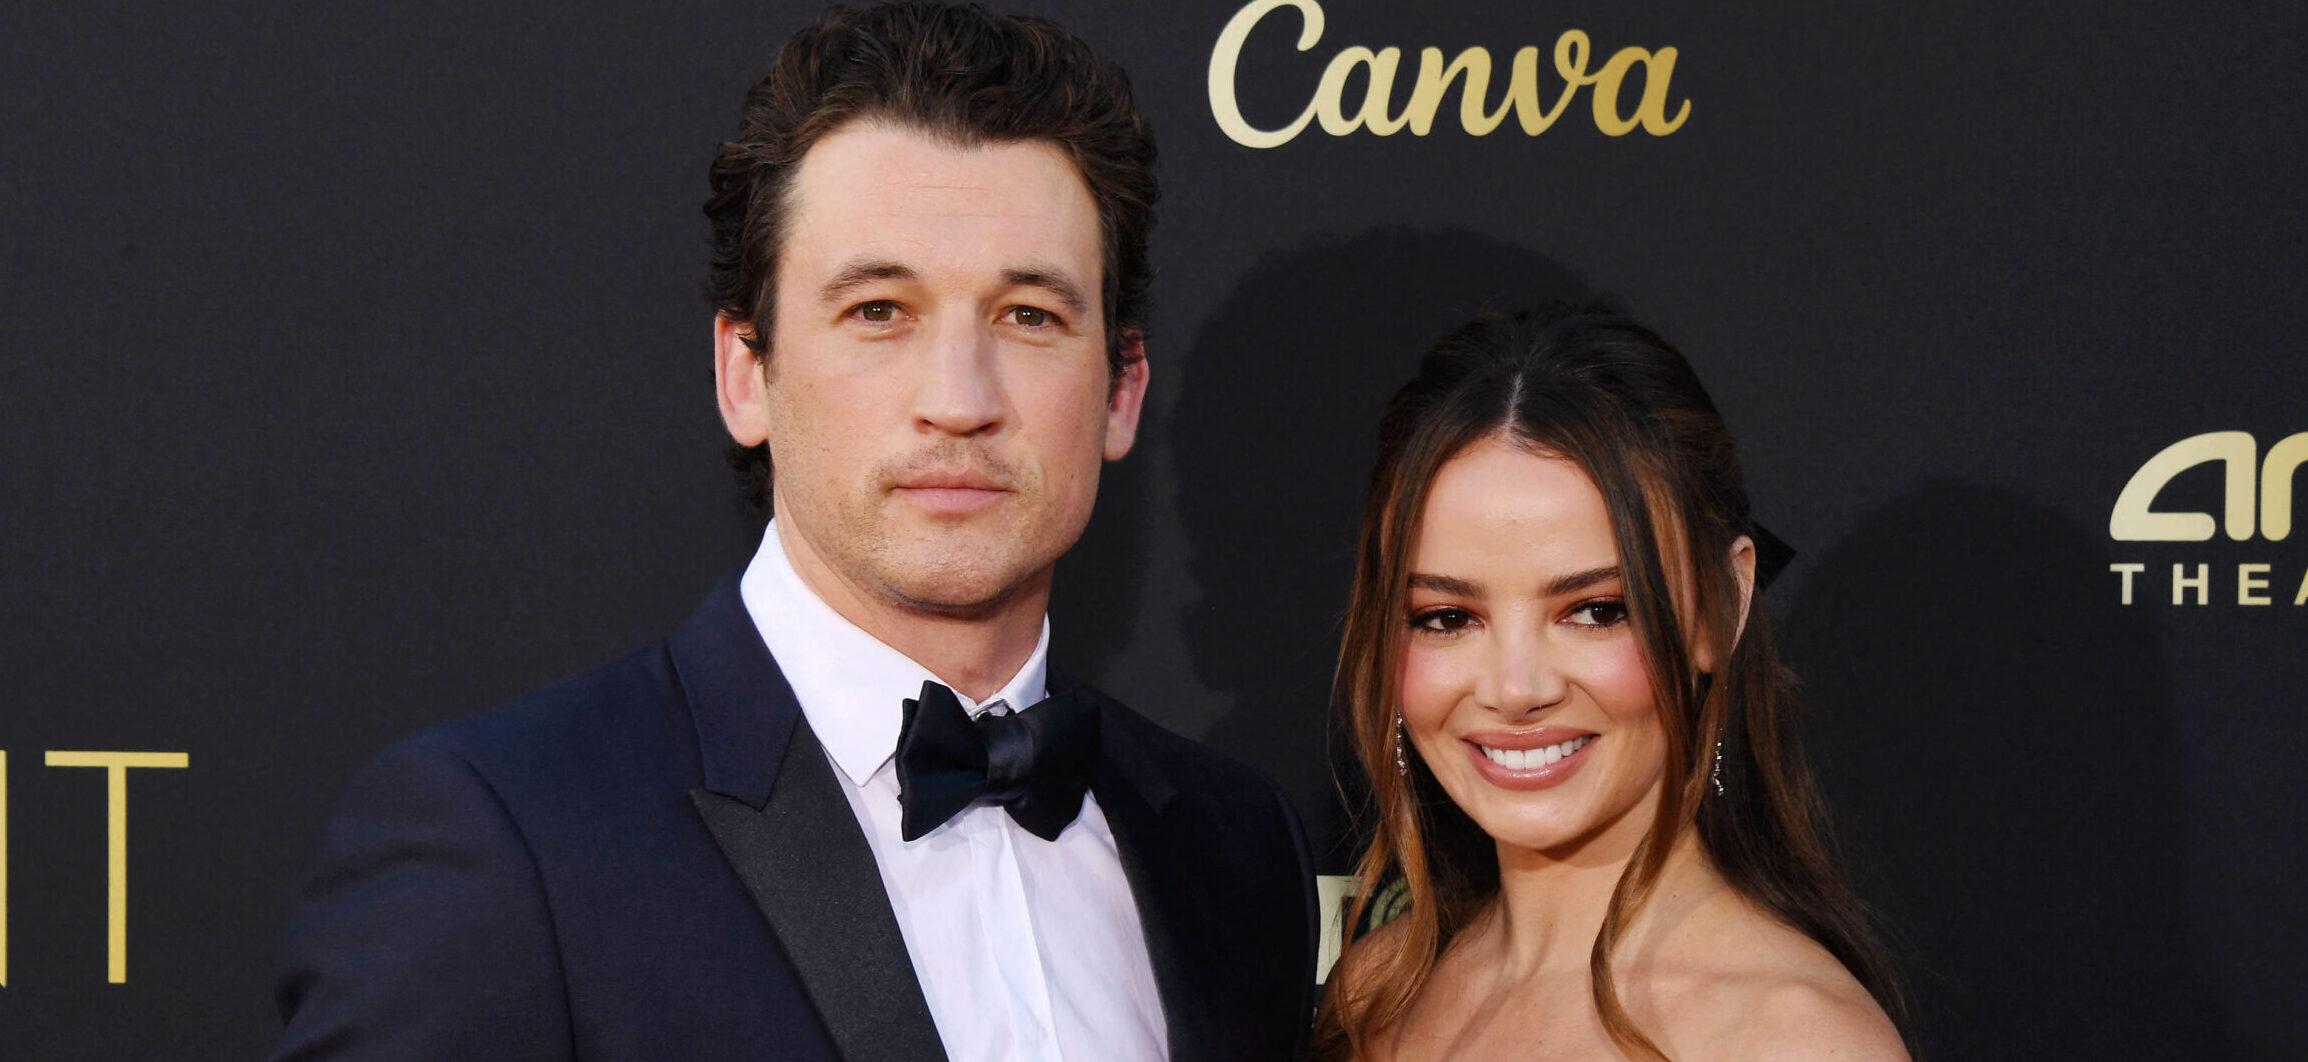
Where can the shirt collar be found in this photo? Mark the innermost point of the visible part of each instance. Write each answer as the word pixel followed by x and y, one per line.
pixel 850 683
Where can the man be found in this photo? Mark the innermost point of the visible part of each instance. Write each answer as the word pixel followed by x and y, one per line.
pixel 780 833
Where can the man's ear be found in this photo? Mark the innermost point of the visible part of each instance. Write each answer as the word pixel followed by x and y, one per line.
pixel 739 382
pixel 1127 398
pixel 1743 573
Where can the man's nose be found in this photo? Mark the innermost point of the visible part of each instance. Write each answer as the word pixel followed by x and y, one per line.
pixel 961 385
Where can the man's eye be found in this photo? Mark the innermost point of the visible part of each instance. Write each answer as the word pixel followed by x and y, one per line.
pixel 879 311
pixel 1443 620
pixel 1599 613
pixel 1032 317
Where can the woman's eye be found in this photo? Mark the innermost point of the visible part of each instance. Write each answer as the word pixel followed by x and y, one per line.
pixel 879 311
pixel 1443 620
pixel 1601 613
pixel 1032 316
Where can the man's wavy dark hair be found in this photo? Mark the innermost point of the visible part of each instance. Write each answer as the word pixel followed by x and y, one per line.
pixel 955 71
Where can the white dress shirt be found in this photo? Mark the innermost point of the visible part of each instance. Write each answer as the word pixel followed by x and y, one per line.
pixel 1025 948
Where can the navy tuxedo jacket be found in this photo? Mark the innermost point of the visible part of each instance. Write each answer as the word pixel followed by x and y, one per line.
pixel 653 861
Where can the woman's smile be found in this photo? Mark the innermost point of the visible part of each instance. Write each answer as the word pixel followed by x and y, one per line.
pixel 1533 759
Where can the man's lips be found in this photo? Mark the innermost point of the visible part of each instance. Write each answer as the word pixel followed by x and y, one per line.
pixel 949 481
pixel 950 493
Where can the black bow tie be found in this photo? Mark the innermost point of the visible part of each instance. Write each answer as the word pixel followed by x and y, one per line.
pixel 1036 763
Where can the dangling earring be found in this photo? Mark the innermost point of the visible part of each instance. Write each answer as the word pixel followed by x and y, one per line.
pixel 1401 764
pixel 1707 685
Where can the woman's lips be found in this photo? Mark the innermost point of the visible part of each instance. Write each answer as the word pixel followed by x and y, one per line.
pixel 1535 759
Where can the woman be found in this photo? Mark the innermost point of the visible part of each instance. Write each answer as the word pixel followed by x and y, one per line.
pixel 1588 787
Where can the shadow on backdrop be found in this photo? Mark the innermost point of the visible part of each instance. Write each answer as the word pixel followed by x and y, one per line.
pixel 1094 603
pixel 1271 440
pixel 1998 741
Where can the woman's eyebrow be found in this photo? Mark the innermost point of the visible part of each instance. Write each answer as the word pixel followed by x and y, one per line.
pixel 1576 581
pixel 1561 584
pixel 1445 584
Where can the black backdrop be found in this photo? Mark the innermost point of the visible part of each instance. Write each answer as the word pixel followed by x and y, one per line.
pixel 353 377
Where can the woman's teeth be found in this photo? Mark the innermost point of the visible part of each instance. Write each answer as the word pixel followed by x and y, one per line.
pixel 1525 759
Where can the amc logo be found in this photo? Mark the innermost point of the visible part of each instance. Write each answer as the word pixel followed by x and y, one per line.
pixel 2257 488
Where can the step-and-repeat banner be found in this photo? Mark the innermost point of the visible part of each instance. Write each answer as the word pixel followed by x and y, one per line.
pixel 353 377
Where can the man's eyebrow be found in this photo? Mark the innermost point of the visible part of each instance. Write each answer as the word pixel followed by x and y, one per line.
pixel 1052 281
pixel 859 273
pixel 1445 584
pixel 1576 581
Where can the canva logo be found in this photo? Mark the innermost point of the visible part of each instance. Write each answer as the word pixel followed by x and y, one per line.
pixel 1525 96
pixel 2256 502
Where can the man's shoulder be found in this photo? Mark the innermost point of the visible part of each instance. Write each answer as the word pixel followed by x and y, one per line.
pixel 597 725
pixel 1186 766
pixel 1173 751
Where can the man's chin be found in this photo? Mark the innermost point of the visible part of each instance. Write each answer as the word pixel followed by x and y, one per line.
pixel 961 586
pixel 963 601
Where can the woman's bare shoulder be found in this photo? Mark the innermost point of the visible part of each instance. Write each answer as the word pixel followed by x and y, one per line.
pixel 1813 1020
pixel 1769 991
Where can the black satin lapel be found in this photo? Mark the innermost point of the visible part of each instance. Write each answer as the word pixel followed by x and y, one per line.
pixel 805 861
pixel 1175 909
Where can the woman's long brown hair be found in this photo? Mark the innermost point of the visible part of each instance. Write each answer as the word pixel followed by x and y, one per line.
pixel 1598 389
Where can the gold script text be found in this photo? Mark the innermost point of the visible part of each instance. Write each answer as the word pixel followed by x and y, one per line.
pixel 1470 70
